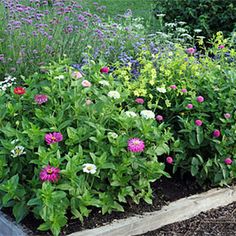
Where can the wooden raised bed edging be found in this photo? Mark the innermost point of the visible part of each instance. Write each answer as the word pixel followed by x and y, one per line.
pixel 179 210
pixel 182 209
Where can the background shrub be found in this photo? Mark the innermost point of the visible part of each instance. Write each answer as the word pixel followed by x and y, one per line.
pixel 208 15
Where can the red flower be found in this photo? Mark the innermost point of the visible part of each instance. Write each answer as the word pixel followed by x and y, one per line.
pixel 19 90
pixel 104 70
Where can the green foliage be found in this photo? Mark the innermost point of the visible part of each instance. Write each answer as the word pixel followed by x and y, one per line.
pixel 208 15
pixel 95 133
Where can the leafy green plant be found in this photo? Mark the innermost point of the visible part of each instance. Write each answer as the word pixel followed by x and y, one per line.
pixel 208 15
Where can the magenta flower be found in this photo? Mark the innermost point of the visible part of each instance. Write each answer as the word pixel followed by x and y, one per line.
pixel 159 118
pixel 228 161
pixel 139 100
pixel 200 99
pixel 221 46
pixel 216 133
pixel 198 122
pixel 227 115
pixel 184 90
pixel 49 173
pixel 54 137
pixel 173 86
pixel 104 70
pixel 191 51
pixel 169 160
pixel 190 106
pixel 136 145
pixel 40 98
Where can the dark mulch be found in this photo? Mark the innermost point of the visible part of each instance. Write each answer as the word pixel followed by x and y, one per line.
pixel 217 222
pixel 165 191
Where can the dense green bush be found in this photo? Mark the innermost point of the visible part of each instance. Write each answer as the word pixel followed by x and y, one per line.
pixel 208 15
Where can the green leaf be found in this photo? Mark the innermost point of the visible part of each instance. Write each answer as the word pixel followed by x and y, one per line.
pixel 44 227
pixel 20 210
pixel 200 136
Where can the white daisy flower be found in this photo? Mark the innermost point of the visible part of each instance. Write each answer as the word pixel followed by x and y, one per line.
pixel 130 114
pixel 89 168
pixel 147 114
pixel 114 94
pixel 18 151
pixel 104 83
pixel 112 135
pixel 161 90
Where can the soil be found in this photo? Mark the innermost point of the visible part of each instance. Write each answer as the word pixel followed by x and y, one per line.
pixel 217 222
pixel 164 191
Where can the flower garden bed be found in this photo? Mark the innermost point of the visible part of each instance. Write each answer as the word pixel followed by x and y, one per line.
pixel 89 130
pixel 138 219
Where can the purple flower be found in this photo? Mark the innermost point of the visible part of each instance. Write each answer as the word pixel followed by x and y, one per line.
pixel 221 46
pixel 191 51
pixel 200 99
pixel 198 122
pixel 139 100
pixel 159 118
pixel 216 133
pixel 184 90
pixel 136 145
pixel 173 86
pixel 41 98
pixel 54 137
pixel 190 106
pixel 49 173
pixel 228 161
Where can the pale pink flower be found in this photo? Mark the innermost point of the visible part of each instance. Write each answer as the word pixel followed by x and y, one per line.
pixel 227 115
pixel 191 51
pixel 85 83
pixel 139 100
pixel 76 75
pixel 159 118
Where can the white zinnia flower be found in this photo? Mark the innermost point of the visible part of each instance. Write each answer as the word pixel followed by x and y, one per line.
pixel 161 90
pixel 147 114
pixel 18 151
pixel 60 77
pixel 130 114
pixel 114 94
pixel 104 83
pixel 113 135
pixel 89 168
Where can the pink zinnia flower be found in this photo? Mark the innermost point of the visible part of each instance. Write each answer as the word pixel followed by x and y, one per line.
pixel 173 86
pixel 184 90
pixel 49 173
pixel 191 51
pixel 159 118
pixel 85 83
pixel 200 99
pixel 136 145
pixel 221 46
pixel 139 100
pixel 41 98
pixel 76 75
pixel 198 122
pixel 54 137
pixel 190 106
pixel 104 70
pixel 227 116
pixel 216 133
pixel 169 160
pixel 228 161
